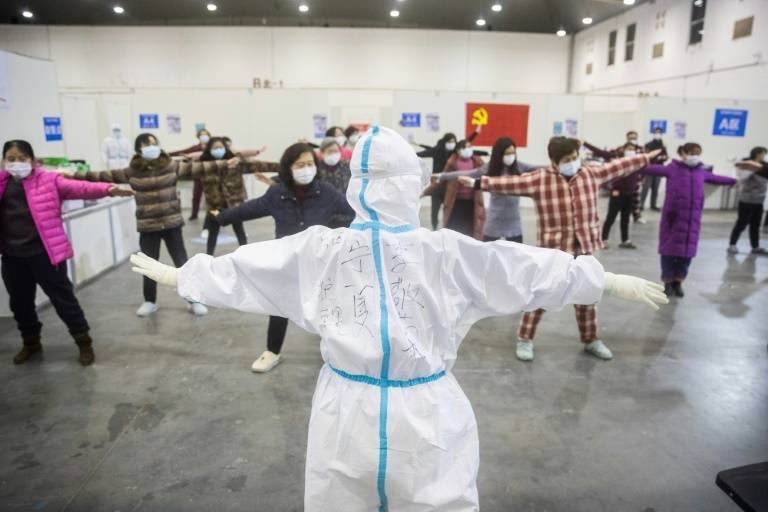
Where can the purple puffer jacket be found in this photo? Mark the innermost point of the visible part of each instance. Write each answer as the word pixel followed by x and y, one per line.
pixel 45 191
pixel 680 223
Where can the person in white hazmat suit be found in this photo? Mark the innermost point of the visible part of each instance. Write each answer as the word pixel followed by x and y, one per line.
pixel 116 150
pixel 390 428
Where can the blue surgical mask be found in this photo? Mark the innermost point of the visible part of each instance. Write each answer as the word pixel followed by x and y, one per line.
pixel 150 152
pixel 570 168
pixel 218 153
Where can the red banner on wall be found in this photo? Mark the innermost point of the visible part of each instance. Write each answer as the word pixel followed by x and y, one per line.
pixel 498 120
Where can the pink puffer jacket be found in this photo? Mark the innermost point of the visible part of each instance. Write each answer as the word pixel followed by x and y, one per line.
pixel 45 191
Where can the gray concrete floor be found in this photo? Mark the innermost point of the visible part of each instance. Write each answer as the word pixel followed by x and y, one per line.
pixel 170 418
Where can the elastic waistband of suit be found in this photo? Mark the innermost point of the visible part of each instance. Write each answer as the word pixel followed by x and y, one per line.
pixel 389 383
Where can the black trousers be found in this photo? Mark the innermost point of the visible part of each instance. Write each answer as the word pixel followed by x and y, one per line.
pixel 21 277
pixel 437 203
pixel 150 245
pixel 618 204
pixel 518 239
pixel 276 333
pixel 650 183
pixel 214 227
pixel 749 215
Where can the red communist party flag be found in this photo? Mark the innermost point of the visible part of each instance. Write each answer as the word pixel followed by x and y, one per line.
pixel 498 120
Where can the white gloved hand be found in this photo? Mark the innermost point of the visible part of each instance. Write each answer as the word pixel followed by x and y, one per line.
pixel 635 289
pixel 153 269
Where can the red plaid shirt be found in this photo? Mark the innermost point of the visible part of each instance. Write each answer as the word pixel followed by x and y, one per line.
pixel 567 209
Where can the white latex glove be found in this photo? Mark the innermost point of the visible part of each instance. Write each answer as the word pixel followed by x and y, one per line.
pixel 153 269
pixel 635 289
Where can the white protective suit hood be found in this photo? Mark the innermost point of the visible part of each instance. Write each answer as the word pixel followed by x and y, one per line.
pixel 387 179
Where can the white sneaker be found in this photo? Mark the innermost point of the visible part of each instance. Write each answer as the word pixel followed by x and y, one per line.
pixel 204 234
pixel 197 309
pixel 732 249
pixel 146 309
pixel 266 362
pixel 598 349
pixel 641 221
pixel 525 350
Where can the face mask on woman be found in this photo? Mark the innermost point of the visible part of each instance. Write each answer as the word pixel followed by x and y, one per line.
pixel 354 138
pixel 450 146
pixel 466 153
pixel 509 159
pixel 204 139
pixel 340 140
pixel 218 153
pixel 331 159
pixel 692 160
pixel 305 175
pixel 19 169
pixel 150 152
pixel 570 168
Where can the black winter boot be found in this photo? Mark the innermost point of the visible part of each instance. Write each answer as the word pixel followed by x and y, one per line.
pixel 31 347
pixel 85 344
pixel 677 286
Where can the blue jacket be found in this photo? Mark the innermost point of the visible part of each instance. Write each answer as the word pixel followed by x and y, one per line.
pixel 321 204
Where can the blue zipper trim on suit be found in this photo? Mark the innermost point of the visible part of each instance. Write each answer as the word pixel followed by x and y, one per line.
pixel 373 381
pixel 362 226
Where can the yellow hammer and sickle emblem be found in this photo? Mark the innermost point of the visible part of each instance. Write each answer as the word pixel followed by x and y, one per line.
pixel 480 117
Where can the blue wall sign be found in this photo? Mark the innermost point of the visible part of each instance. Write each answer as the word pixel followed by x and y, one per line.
pixel 410 120
pixel 730 123
pixel 149 121
pixel 52 127
pixel 659 123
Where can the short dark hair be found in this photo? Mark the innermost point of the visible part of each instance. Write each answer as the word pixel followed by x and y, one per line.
pixel 22 145
pixel 688 148
pixel 496 163
pixel 201 130
pixel 756 151
pixel 290 155
pixel 332 130
pixel 631 132
pixel 351 130
pixel 206 156
pixel 560 147
pixel 143 139
pixel 658 129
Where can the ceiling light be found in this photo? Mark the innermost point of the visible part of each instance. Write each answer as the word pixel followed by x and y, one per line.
pixel 698 3
pixel 629 2
pixel 303 8
pixel 587 20
pixel 211 7
pixel 561 32
pixel 480 22
pixel 118 10
pixel 394 13
pixel 27 13
pixel 497 7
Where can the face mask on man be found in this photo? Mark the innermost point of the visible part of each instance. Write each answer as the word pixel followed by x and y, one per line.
pixel 305 175
pixel 466 153
pixel 509 159
pixel 19 169
pixel 332 159
pixel 150 152
pixel 570 168
pixel 204 139
pixel 692 160
pixel 632 140
pixel 450 146
pixel 218 153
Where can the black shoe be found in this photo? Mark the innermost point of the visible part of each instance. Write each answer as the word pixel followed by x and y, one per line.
pixel 194 217
pixel 31 347
pixel 655 208
pixel 668 290
pixel 677 287
pixel 85 344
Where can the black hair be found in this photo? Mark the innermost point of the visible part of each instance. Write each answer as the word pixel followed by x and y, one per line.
pixel 207 156
pixel 227 141
pixel 756 151
pixel 351 130
pixel 496 163
pixel 560 147
pixel 22 145
pixel 658 129
pixel 688 148
pixel 631 132
pixel 143 140
pixel 448 136
pixel 201 130
pixel 290 155
pixel 332 130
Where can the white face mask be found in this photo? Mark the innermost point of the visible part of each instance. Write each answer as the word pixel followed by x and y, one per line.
pixel 354 138
pixel 630 154
pixel 150 152
pixel 450 146
pixel 692 160
pixel 332 159
pixel 305 175
pixel 656 136
pixel 570 168
pixel 204 139
pixel 340 140
pixel 509 159
pixel 19 169
pixel 466 153
pixel 633 140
